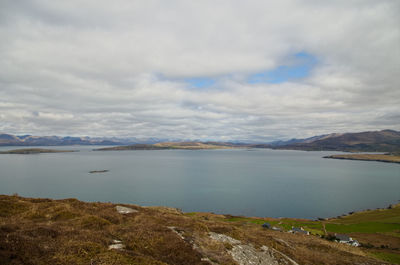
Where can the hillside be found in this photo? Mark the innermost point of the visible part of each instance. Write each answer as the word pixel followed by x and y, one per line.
pixel 45 231
pixel 374 141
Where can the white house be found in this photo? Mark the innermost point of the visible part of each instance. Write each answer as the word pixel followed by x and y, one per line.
pixel 345 239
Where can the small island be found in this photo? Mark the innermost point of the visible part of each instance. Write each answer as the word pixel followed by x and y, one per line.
pixel 29 151
pixel 98 171
pixel 388 158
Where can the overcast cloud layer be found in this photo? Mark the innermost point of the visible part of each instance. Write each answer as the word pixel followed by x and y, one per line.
pixel 126 68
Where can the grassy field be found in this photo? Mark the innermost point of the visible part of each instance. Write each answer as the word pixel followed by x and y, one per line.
pixel 45 231
pixel 364 227
pixel 388 257
pixel 378 230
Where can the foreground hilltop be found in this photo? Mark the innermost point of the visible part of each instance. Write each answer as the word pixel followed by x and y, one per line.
pixel 45 231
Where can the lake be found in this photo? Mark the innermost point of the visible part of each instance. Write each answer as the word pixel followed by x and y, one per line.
pixel 256 182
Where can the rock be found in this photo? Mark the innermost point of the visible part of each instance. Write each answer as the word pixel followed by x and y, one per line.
pixel 246 254
pixel 125 210
pixel 175 230
pixel 117 244
pixel 224 238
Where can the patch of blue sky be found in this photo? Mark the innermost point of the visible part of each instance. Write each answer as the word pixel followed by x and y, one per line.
pixel 200 82
pixel 301 67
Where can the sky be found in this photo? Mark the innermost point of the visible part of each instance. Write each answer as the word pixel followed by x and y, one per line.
pixel 205 70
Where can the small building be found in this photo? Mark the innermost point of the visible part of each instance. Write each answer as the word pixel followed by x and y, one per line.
pixel 266 225
pixel 345 239
pixel 300 230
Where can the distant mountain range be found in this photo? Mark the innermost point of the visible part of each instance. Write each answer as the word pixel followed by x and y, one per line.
pixel 373 141
pixel 30 140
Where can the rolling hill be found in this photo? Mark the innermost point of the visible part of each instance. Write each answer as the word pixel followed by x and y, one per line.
pixel 373 141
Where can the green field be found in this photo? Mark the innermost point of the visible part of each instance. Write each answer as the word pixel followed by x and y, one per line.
pixel 364 227
pixel 376 221
pixel 389 257
pixel 377 230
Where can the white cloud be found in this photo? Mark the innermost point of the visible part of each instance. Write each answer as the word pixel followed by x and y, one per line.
pixel 96 68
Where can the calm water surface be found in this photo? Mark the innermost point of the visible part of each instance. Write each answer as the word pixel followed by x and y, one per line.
pixel 263 182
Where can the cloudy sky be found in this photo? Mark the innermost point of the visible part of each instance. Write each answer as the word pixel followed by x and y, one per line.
pixel 209 70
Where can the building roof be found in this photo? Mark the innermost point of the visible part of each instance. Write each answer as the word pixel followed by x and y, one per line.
pixel 266 225
pixel 299 230
pixel 342 237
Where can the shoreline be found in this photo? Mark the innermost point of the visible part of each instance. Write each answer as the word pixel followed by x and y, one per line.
pixel 32 151
pixel 390 206
pixel 367 157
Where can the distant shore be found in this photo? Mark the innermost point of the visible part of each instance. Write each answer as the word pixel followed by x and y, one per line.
pixel 172 145
pixel 29 151
pixel 368 157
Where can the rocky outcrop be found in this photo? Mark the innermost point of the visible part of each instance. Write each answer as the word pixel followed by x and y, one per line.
pixel 125 210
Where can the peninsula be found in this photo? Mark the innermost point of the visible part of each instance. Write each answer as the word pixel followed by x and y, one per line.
pixel 174 145
pixel 388 158
pixel 30 151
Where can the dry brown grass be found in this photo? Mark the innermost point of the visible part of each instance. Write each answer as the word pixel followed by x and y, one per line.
pixel 43 231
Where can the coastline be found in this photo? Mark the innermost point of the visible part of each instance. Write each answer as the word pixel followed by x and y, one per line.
pixel 368 157
pixel 31 151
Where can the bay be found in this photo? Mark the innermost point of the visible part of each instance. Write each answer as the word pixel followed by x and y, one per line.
pixel 254 182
